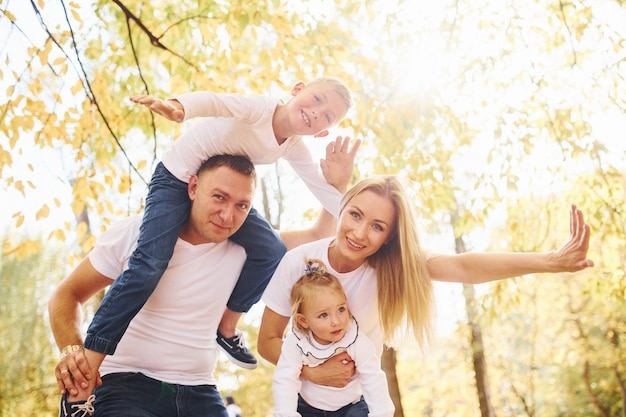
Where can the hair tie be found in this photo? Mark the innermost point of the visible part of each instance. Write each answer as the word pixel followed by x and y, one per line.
pixel 313 266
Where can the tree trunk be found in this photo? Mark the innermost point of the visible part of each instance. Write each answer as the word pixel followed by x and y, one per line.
pixel 477 346
pixel 388 362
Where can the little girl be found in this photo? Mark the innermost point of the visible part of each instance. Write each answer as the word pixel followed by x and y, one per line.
pixel 322 328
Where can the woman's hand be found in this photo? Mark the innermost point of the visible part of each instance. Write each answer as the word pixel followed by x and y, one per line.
pixel 572 256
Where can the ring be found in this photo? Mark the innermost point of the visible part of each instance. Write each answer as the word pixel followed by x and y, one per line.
pixel 65 371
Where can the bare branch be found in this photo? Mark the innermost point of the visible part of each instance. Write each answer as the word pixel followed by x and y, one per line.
pixel 154 40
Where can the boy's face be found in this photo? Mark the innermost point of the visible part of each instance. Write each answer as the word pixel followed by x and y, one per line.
pixel 314 109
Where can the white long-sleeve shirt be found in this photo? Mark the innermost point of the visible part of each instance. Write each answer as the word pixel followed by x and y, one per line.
pixel 301 349
pixel 242 125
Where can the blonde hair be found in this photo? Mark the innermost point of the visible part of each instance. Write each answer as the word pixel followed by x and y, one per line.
pixel 315 278
pixel 337 85
pixel 405 290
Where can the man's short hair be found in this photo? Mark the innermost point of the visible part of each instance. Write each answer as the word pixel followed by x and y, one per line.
pixel 237 163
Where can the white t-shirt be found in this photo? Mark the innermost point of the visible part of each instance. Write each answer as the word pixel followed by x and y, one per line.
pixel 242 125
pixel 173 337
pixel 359 286
pixel 302 349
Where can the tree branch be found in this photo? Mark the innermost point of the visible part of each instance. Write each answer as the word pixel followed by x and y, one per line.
pixel 154 40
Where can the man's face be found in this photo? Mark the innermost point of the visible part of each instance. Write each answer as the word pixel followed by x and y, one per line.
pixel 220 201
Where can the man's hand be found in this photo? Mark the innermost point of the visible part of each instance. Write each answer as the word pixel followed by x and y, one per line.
pixel 170 109
pixel 75 376
pixel 338 165
pixel 335 372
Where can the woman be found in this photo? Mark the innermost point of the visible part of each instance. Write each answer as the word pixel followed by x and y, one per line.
pixel 377 257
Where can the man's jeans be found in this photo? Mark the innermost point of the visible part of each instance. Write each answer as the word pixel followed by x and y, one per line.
pixel 358 409
pixel 167 208
pixel 136 395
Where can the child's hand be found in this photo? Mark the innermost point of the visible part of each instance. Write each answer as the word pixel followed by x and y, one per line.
pixel 170 109
pixel 338 165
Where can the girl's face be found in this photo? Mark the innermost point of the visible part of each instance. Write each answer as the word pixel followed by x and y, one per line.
pixel 365 224
pixel 326 315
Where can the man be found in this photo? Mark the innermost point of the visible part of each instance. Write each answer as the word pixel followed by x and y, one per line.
pixel 165 361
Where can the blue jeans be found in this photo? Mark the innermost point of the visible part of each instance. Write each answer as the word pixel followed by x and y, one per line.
pixel 167 208
pixel 358 409
pixel 131 394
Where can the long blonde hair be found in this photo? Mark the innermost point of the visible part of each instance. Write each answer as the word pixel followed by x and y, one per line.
pixel 405 290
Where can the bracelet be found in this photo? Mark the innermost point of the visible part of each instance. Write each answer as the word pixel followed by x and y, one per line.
pixel 69 349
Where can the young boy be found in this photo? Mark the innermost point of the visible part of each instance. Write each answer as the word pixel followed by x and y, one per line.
pixel 261 128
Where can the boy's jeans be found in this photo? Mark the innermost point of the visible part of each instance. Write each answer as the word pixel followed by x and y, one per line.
pixel 131 394
pixel 167 208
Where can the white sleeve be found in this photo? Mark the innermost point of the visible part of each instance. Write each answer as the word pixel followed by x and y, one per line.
pixel 300 159
pixel 278 292
pixel 246 108
pixel 372 379
pixel 286 381
pixel 114 247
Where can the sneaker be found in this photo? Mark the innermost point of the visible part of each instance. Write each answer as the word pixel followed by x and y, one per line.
pixel 235 348
pixel 78 408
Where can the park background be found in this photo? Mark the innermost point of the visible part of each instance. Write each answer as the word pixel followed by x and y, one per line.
pixel 499 114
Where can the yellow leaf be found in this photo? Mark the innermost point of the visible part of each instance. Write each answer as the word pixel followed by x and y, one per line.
pixel 9 15
pixel 43 212
pixel 77 87
pixel 89 243
pixel 23 249
pixel 57 202
pixel 124 184
pixel 76 16
pixel 81 229
pixel 58 234
pixel 43 53
pixel 141 164
pixel 20 187
pixel 20 219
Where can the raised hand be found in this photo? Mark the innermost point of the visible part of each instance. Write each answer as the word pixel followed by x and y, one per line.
pixel 338 165
pixel 572 256
pixel 170 109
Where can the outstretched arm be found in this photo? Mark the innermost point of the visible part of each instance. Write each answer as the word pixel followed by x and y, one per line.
pixel 474 268
pixel 338 165
pixel 170 109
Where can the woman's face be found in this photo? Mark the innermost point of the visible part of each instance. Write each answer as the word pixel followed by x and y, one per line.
pixel 365 224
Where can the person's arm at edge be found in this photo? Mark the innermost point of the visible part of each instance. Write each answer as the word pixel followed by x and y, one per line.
pixel 65 309
pixel 475 268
